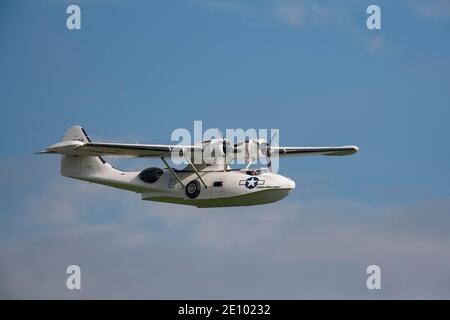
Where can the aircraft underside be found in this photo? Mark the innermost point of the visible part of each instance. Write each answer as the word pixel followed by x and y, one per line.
pixel 221 188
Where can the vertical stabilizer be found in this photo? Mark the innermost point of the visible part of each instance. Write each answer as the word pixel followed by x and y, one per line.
pixel 81 166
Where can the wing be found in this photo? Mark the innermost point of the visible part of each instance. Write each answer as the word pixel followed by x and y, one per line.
pixel 312 151
pixel 79 148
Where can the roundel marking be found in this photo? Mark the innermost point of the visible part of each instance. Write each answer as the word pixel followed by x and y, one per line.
pixel 251 182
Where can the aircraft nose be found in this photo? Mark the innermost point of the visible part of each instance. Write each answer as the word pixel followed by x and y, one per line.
pixel 291 184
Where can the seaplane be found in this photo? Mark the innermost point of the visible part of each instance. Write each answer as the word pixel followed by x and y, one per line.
pixel 206 181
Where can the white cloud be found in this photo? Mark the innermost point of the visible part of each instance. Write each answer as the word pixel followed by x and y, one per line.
pixel 297 13
pixel 375 43
pixel 129 248
pixel 227 5
pixel 292 13
pixel 431 9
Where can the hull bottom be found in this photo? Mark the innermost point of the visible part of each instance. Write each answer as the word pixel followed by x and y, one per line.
pixel 255 198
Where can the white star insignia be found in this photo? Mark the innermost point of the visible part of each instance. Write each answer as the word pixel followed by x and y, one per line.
pixel 252 182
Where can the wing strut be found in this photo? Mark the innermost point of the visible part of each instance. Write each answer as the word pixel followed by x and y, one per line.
pixel 195 169
pixel 173 172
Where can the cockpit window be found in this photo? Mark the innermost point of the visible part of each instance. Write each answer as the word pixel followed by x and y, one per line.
pixel 255 172
pixel 150 175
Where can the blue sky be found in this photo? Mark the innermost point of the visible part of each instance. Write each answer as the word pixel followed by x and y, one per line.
pixel 137 70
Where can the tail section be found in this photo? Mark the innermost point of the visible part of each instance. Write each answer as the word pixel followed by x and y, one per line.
pixel 81 167
pixel 76 133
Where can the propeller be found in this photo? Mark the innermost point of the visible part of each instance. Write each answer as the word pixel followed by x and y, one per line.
pixel 237 147
pixel 224 149
pixel 266 149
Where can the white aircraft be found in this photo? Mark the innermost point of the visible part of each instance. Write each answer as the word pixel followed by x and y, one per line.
pixel 207 184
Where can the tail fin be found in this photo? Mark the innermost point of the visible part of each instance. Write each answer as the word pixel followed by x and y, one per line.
pixel 78 166
pixel 76 133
